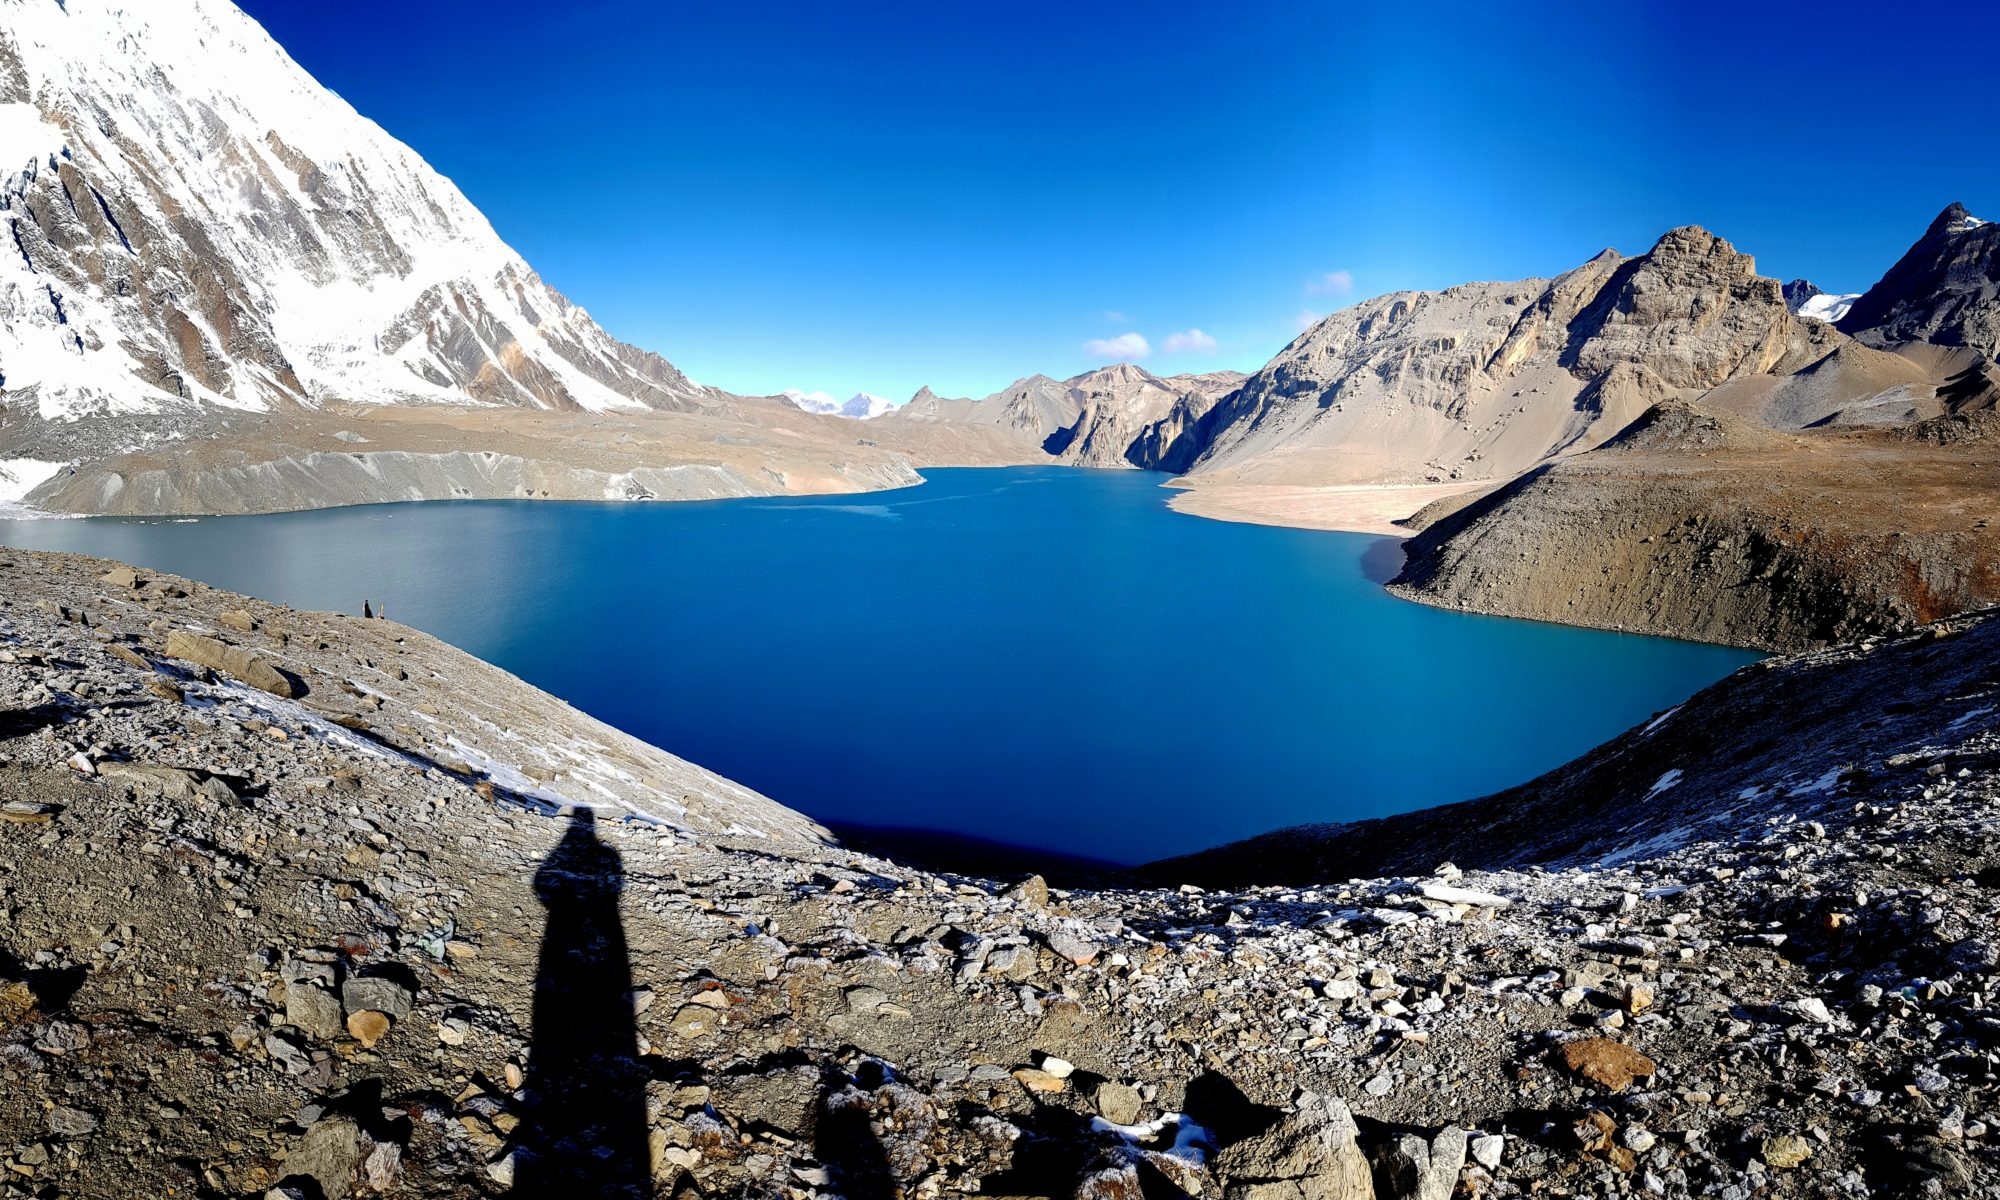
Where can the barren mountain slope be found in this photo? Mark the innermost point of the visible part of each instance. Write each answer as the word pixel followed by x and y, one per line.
pixel 1092 419
pixel 207 250
pixel 1487 379
pixel 364 941
pixel 1695 524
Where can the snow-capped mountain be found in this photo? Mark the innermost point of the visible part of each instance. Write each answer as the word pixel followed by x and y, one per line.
pixel 861 405
pixel 1805 299
pixel 195 224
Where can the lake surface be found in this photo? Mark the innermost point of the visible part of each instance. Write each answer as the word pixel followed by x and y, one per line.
pixel 1046 657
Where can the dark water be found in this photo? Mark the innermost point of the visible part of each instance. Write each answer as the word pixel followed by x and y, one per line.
pixel 1040 656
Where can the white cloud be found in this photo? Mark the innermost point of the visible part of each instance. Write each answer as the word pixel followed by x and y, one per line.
pixel 1188 341
pixel 1333 283
pixel 1305 320
pixel 1126 347
pixel 1115 317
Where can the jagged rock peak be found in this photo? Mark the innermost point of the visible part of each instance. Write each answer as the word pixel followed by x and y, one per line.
pixel 1954 219
pixel 1945 289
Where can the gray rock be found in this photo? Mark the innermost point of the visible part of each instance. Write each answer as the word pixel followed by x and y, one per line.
pixel 377 993
pixel 329 1154
pixel 314 1011
pixel 1313 1148
pixel 1411 1168
pixel 71 1122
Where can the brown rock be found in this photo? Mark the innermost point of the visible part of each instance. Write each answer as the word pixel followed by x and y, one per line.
pixel 368 1027
pixel 1038 1081
pixel 236 619
pixel 1786 1150
pixel 1611 1065
pixel 16 1002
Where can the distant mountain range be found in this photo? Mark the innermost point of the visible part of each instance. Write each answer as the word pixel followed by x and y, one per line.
pixel 861 406
pixel 211 250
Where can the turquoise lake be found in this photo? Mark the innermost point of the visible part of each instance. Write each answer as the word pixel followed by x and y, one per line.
pixel 1043 657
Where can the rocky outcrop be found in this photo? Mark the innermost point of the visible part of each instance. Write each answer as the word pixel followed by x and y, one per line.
pixel 1487 379
pixel 1945 290
pixel 1698 525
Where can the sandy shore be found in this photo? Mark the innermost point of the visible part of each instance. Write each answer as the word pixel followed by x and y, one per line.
pixel 1352 508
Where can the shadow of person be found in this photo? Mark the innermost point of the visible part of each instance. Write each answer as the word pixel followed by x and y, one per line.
pixel 583 1127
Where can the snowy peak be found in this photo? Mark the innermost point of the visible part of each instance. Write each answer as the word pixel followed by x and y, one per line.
pixel 197 224
pixel 1805 299
pixel 1955 219
pixel 861 406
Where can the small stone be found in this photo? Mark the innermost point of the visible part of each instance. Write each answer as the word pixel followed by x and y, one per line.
pixel 1380 1085
pixel 377 993
pixel 1811 1009
pixel 313 1010
pixel 17 1000
pixel 27 812
pixel 121 577
pixel 695 1021
pixel 1038 1081
pixel 1032 893
pixel 368 1027
pixel 1071 947
pixel 1117 1103
pixel 1061 1068
pixel 1611 1065
pixel 71 1122
pixel 865 1001
pixel 236 619
pixel 1786 1150
pixel 1487 1148
pixel 454 1031
pixel 1638 998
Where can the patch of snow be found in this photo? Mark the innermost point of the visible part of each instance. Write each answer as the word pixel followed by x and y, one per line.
pixel 1192 1143
pixel 1664 782
pixel 1657 844
pixel 1658 721
pixel 19 476
pixel 1823 784
pixel 861 406
pixel 1827 307
pixel 25 136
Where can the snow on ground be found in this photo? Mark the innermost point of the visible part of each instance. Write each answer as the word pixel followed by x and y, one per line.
pixel 1828 307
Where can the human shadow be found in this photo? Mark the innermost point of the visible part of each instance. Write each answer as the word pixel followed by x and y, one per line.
pixel 583 1127
pixel 844 1140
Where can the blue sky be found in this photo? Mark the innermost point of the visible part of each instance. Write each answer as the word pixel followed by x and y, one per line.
pixel 850 197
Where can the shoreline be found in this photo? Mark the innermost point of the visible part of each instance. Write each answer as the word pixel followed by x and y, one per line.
pixel 1371 508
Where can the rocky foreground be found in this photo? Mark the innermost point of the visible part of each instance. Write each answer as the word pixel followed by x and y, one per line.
pixel 300 905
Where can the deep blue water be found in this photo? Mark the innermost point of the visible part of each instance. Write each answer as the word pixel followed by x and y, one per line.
pixel 1042 656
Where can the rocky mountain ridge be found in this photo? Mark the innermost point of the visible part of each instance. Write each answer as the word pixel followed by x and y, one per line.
pixel 1092 419
pixel 1945 291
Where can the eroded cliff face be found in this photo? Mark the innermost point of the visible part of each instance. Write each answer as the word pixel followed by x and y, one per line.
pixel 1487 379
pixel 194 225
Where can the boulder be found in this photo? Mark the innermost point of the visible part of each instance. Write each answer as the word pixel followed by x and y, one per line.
pixel 1414 1168
pixel 230 660
pixel 1312 1153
